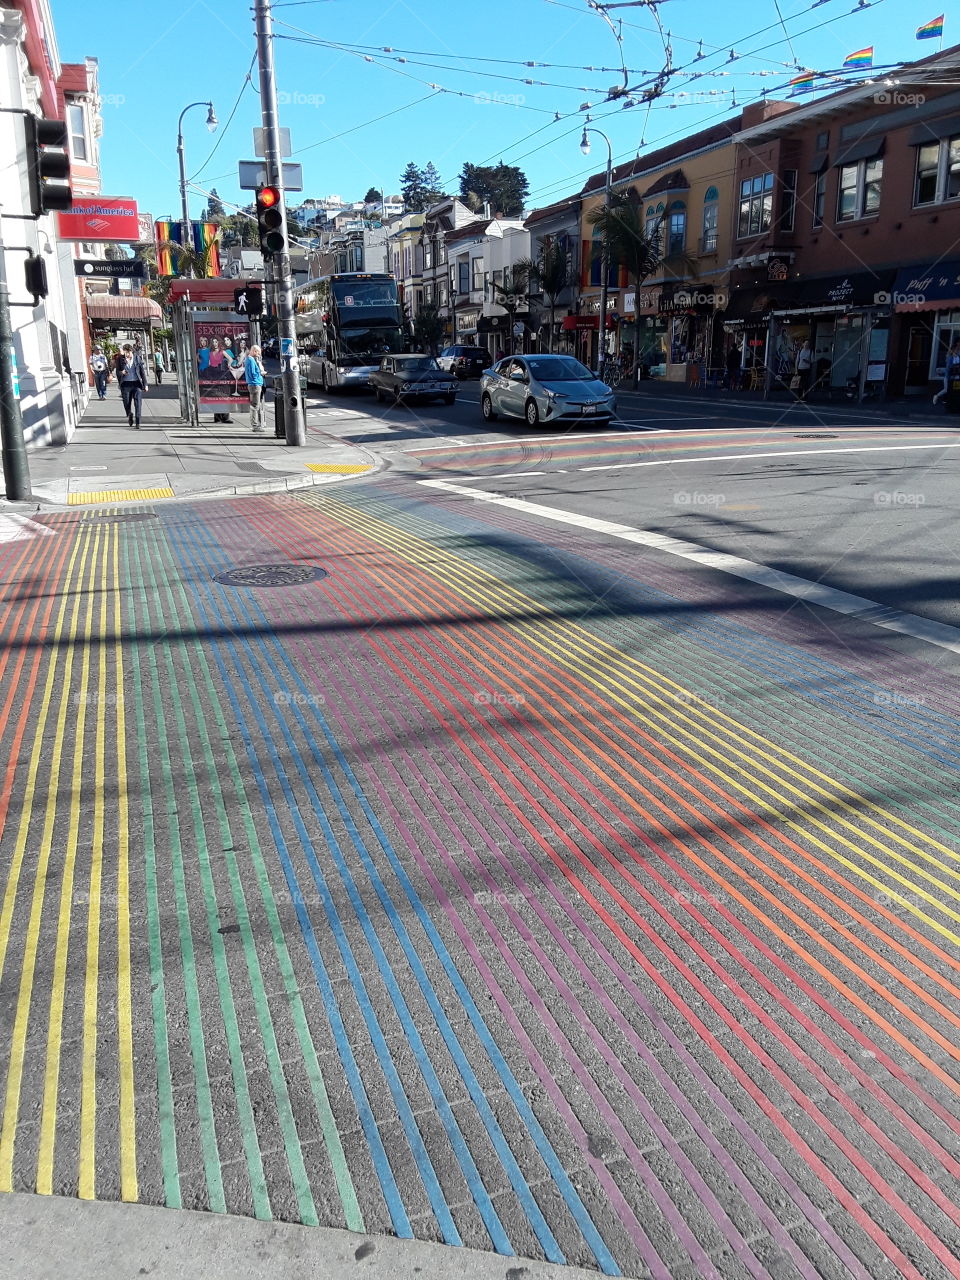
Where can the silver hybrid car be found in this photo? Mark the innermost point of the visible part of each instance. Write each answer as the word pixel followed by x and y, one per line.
pixel 545 389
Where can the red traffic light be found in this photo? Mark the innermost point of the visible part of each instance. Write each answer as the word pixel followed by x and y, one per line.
pixel 267 197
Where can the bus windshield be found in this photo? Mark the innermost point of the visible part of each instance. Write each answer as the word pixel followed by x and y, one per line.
pixel 364 293
pixel 371 342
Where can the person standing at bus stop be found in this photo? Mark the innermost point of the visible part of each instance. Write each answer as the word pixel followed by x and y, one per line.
pixel 253 376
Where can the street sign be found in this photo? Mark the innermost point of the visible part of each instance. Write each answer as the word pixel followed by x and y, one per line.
pixel 260 150
pixel 145 224
pixel 253 174
pixel 100 218
pixel 127 268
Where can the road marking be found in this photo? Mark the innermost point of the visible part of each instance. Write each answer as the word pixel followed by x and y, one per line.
pixel 880 615
pixel 118 495
pixel 782 453
pixel 340 469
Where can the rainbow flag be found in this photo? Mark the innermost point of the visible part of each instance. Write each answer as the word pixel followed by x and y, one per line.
pixel 931 30
pixel 202 233
pixel 205 234
pixel 861 58
pixel 166 232
pixel 803 82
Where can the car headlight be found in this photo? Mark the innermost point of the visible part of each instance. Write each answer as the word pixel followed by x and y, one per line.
pixel 551 395
pixel 405 386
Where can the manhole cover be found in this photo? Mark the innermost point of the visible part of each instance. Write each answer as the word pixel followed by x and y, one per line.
pixel 270 575
pixel 816 435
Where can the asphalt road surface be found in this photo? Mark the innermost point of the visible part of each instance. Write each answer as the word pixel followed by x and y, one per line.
pixel 547 845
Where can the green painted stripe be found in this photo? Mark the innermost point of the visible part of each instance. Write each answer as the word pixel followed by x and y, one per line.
pixel 248 1128
pixel 180 608
pixel 208 1135
pixel 133 583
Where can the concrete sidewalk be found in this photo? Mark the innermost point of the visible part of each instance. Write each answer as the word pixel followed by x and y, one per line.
pixel 44 1236
pixel 108 461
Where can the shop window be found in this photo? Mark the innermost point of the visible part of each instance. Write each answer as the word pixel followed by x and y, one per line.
pixel 788 200
pixel 819 198
pixel 938 172
pixel 858 195
pixel 756 205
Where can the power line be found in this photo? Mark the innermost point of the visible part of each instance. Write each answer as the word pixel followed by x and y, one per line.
pixel 223 133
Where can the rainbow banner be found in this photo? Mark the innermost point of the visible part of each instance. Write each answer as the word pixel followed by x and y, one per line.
pixel 932 30
pixel 171 233
pixel 803 82
pixel 861 58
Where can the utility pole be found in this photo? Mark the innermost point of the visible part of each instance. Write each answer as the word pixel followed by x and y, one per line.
pixel 283 292
pixel 16 471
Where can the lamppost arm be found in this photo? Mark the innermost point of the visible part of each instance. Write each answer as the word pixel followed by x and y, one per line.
pixel 184 207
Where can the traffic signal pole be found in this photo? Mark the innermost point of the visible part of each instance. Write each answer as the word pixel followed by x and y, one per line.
pixel 13 450
pixel 283 292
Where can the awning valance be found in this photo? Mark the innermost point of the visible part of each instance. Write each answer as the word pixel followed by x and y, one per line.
pixel 862 149
pixel 111 306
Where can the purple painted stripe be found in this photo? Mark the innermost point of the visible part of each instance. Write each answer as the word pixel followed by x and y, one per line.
pixel 722 1157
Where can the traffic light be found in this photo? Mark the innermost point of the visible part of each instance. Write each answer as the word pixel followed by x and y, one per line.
pixel 35 277
pixel 48 165
pixel 248 302
pixel 270 222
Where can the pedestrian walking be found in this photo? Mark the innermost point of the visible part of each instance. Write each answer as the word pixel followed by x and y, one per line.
pixel 100 366
pixel 253 376
pixel 951 371
pixel 159 369
pixel 804 367
pixel 132 376
pixel 734 358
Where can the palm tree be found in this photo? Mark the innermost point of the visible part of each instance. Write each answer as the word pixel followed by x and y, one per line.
pixel 551 271
pixel 511 292
pixel 624 237
pixel 191 262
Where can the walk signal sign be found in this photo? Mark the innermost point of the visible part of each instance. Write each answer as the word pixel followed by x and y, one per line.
pixel 48 165
pixel 270 221
pixel 248 302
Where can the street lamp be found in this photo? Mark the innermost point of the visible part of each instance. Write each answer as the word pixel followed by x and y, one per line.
pixel 605 252
pixel 212 123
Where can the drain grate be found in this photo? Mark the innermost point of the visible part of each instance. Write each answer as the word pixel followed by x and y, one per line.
pixel 270 575
pixel 816 435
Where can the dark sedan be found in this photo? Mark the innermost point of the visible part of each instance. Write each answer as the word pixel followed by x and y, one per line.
pixel 413 377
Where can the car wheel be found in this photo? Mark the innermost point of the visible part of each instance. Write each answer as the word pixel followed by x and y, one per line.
pixel 531 413
pixel 450 399
pixel 379 394
pixel 486 408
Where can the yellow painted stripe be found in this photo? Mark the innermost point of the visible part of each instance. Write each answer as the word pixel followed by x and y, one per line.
pixel 77 727
pixel 129 1188
pixel 117 495
pixel 329 468
pixel 52 754
pixel 637 682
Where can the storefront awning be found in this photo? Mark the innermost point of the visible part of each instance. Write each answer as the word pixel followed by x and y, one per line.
pixel 929 287
pixel 756 304
pixel 837 293
pixel 109 306
pixel 586 322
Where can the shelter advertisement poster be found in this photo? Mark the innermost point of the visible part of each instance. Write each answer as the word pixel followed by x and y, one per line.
pixel 220 346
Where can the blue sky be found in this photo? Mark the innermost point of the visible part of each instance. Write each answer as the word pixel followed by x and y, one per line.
pixel 334 76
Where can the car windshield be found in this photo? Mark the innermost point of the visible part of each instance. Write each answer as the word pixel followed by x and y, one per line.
pixel 410 363
pixel 559 369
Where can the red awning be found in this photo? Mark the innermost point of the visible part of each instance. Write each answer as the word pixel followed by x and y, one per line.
pixel 111 306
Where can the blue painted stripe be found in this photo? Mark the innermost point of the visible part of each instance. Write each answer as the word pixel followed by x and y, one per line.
pixel 425 1167
pixel 391 1193
pixel 262 624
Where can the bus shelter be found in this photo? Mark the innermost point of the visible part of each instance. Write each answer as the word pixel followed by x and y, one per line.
pixel 210 340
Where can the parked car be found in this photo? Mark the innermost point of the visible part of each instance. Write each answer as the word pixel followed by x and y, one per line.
pixel 545 389
pixel 464 361
pixel 412 377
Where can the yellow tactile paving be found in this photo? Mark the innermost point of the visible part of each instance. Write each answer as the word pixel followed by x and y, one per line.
pixel 338 469
pixel 118 495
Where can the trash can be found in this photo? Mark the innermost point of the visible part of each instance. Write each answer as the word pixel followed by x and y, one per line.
pixel 279 407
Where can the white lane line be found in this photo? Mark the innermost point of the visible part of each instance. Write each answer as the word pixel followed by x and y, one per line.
pixel 782 453
pixel 880 615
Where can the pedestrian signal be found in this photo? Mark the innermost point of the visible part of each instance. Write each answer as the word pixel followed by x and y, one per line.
pixel 248 302
pixel 270 221
pixel 48 165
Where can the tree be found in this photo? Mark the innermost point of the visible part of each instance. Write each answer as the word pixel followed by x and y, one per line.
pixel 429 328
pixel 551 271
pixel 503 186
pixel 511 293
pixel 624 239
pixel 239 229
pixel 191 263
pixel 372 197
pixel 215 209
pixel 412 189
pixel 432 187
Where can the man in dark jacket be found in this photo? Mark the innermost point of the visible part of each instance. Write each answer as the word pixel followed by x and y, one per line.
pixel 132 376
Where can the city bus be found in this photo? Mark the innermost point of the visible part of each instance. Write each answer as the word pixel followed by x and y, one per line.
pixel 345 324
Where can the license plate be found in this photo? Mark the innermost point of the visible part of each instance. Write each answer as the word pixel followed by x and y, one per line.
pixel 589 408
